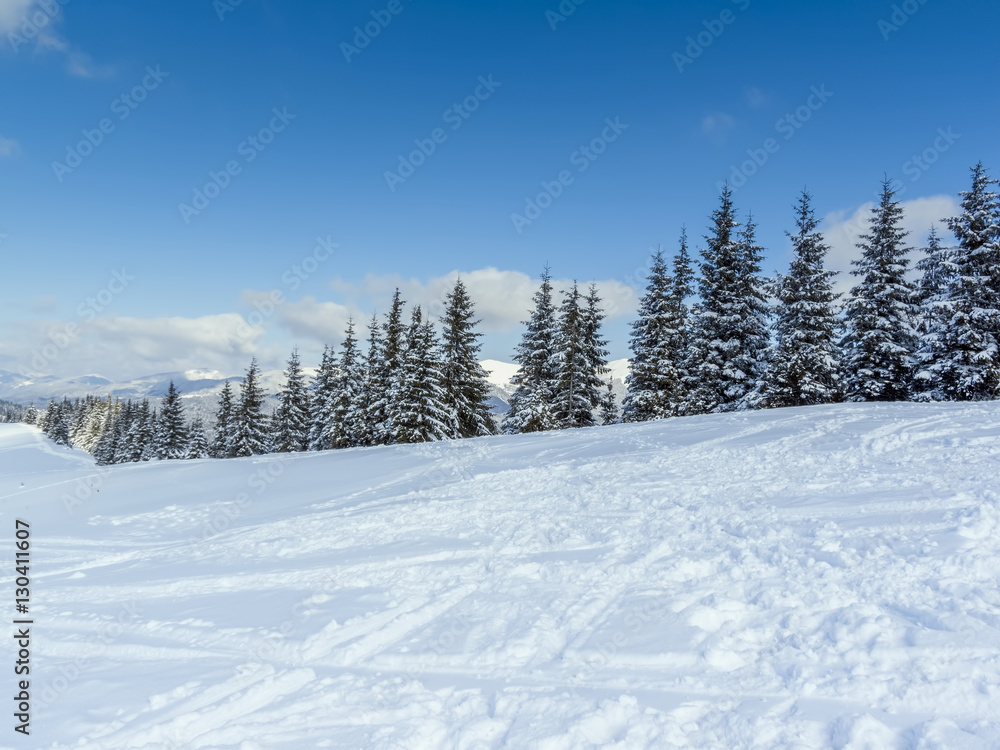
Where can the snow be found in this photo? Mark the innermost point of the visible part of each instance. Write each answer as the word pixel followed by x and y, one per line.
pixel 797 578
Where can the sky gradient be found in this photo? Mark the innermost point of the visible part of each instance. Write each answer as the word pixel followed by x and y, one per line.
pixel 116 116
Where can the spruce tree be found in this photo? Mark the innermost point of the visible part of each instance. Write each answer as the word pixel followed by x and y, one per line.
pixel 419 412
pixel 879 345
pixel 290 424
pixel 250 435
pixel 61 420
pixel 965 361
pixel 106 449
pixel 609 409
pixel 171 435
pixel 804 368
pixel 573 397
pixel 531 404
pixel 937 272
pixel 729 342
pixel 657 377
pixel 323 386
pixel 386 376
pixel 367 425
pixel 31 415
pixel 197 445
pixel 466 389
pixel 225 425
pixel 347 420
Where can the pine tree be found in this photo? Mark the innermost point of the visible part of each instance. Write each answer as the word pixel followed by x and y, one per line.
pixel 419 413
pixel 466 389
pixel 61 420
pixel 573 398
pixel 531 404
pixel 140 437
pixel 107 447
pixel 225 425
pixel 937 273
pixel 965 358
pixel 197 445
pixel 804 369
pixel 150 443
pixel 31 415
pixel 171 435
pixel 656 382
pixel 347 420
pixel 609 409
pixel 323 387
pixel 291 421
pixel 388 378
pixel 880 342
pixel 367 430
pixel 729 342
pixel 123 424
pixel 250 436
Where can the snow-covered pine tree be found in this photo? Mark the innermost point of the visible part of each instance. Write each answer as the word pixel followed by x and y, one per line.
pixel 656 382
pixel 609 409
pixel 171 435
pixel 367 426
pixel 804 368
pixel 466 389
pixel 531 404
pixel 61 420
pixel 937 271
pixel 197 445
pixel 150 448
pixel 106 449
pixel 729 339
pixel 31 415
pixel 389 375
pixel 139 440
pixel 880 342
pixel 595 345
pixel 225 425
pixel 290 424
pixel 965 362
pixel 574 398
pixel 347 420
pixel 250 437
pixel 419 413
pixel 122 425
pixel 322 389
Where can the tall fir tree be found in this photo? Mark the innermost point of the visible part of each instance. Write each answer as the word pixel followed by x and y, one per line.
pixel 878 348
pixel 937 271
pixel 106 450
pixel 964 361
pixel 368 427
pixel 656 382
pixel 323 386
pixel 726 357
pixel 419 412
pixel 609 408
pixel 386 377
pixel 573 397
pixel 171 436
pixel 804 368
pixel 290 425
pixel 347 418
pixel 225 425
pixel 250 435
pixel 466 389
pixel 531 403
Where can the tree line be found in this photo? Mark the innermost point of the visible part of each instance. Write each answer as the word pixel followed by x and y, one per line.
pixel 723 339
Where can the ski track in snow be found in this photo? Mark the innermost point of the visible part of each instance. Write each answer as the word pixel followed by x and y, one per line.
pixel 798 578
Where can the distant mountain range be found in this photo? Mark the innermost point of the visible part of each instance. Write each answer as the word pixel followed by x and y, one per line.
pixel 200 388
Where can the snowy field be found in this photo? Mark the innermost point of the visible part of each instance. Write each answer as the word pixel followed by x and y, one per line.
pixel 799 578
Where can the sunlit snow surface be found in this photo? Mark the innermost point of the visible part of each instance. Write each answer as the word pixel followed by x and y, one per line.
pixel 799 578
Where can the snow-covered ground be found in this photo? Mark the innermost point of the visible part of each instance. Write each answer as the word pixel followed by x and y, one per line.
pixel 799 578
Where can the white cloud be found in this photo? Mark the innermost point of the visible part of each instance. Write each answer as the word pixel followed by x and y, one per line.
pixel 717 125
pixel 131 347
pixel 502 298
pixel 8 146
pixel 31 24
pixel 843 228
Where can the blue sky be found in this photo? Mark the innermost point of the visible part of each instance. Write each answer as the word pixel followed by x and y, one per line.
pixel 843 90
